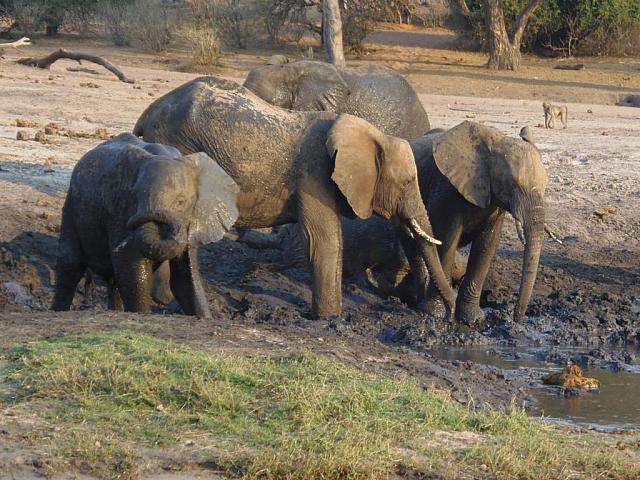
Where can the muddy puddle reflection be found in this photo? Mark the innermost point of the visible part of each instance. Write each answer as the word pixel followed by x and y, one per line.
pixel 616 405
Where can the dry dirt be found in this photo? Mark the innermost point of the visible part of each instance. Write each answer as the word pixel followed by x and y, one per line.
pixel 588 290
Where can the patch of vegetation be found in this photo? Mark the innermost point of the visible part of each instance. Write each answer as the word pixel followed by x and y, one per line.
pixel 296 417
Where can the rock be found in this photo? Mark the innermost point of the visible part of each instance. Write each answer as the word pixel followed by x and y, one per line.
pixel 40 137
pixel 24 123
pixel 571 378
pixel 22 135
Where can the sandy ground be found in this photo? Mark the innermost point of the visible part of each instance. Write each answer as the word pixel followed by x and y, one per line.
pixel 588 290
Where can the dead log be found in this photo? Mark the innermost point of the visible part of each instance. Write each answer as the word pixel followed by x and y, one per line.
pixel 576 66
pixel 46 62
pixel 24 41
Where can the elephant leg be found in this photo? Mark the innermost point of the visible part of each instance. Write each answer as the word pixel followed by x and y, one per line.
pixel 418 273
pixel 447 252
pixel 114 300
pixel 70 268
pixel 322 231
pixel 133 275
pixel 483 249
pixel 458 270
pixel 161 290
pixel 186 284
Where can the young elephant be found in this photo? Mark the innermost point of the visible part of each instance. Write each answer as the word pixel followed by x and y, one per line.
pixel 306 167
pixel 469 177
pixel 132 206
pixel 380 95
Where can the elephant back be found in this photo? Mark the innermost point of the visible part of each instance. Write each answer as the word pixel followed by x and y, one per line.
pixel 384 98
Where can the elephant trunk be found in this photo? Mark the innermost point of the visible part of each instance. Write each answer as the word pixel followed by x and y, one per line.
pixel 533 220
pixel 419 228
pixel 157 235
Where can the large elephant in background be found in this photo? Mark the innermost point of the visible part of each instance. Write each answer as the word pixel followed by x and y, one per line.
pixel 306 167
pixel 133 206
pixel 378 94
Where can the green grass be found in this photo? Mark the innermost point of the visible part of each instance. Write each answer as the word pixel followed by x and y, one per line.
pixel 293 417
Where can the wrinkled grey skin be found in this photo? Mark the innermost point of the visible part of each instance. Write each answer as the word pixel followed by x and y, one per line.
pixel 378 94
pixel 469 177
pixel 133 206
pixel 306 167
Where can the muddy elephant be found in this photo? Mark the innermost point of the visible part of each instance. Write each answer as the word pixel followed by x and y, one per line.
pixel 470 176
pixel 378 94
pixel 306 167
pixel 132 206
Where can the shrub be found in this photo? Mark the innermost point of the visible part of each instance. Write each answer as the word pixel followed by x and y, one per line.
pixel 151 24
pixel 204 42
pixel 115 15
pixel 284 20
pixel 237 22
pixel 27 15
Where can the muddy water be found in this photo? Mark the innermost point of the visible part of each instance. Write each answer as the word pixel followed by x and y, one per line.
pixel 616 405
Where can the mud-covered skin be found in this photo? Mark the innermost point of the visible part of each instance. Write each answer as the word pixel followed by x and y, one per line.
pixel 470 176
pixel 378 94
pixel 306 167
pixel 501 174
pixel 132 206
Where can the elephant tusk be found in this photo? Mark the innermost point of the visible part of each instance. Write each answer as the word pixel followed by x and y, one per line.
pixel 408 231
pixel 519 230
pixel 122 244
pixel 552 235
pixel 423 234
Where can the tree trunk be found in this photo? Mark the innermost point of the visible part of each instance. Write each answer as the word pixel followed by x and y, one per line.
pixel 332 32
pixel 504 48
pixel 503 55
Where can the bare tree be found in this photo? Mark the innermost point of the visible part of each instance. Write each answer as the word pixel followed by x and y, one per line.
pixel 504 46
pixel 332 32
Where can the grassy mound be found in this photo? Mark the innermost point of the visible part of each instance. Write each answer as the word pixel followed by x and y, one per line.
pixel 107 396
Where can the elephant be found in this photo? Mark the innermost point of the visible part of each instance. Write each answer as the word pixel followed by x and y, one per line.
pixel 378 94
pixel 306 167
pixel 469 176
pixel 133 206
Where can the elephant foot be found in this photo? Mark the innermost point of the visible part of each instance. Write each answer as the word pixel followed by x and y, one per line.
pixel 434 307
pixel 470 316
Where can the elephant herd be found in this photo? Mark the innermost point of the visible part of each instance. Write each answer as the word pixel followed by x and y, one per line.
pixel 306 143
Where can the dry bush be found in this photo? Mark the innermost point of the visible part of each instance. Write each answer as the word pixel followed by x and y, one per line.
pixel 27 15
pixel 237 21
pixel 148 24
pixel 204 42
pixel 152 24
pixel 115 15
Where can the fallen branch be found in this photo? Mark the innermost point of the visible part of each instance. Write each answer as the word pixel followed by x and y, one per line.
pixel 577 66
pixel 24 41
pixel 46 62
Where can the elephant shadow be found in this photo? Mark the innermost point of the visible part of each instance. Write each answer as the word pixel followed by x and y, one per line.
pixel 271 273
pixel 46 179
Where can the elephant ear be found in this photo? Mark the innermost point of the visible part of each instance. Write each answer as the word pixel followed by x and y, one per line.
pixel 462 155
pixel 320 87
pixel 355 146
pixel 215 210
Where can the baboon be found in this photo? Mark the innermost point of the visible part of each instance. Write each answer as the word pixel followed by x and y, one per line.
pixel 551 112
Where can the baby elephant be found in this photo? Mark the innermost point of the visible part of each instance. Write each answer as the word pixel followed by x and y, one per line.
pixel 132 206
